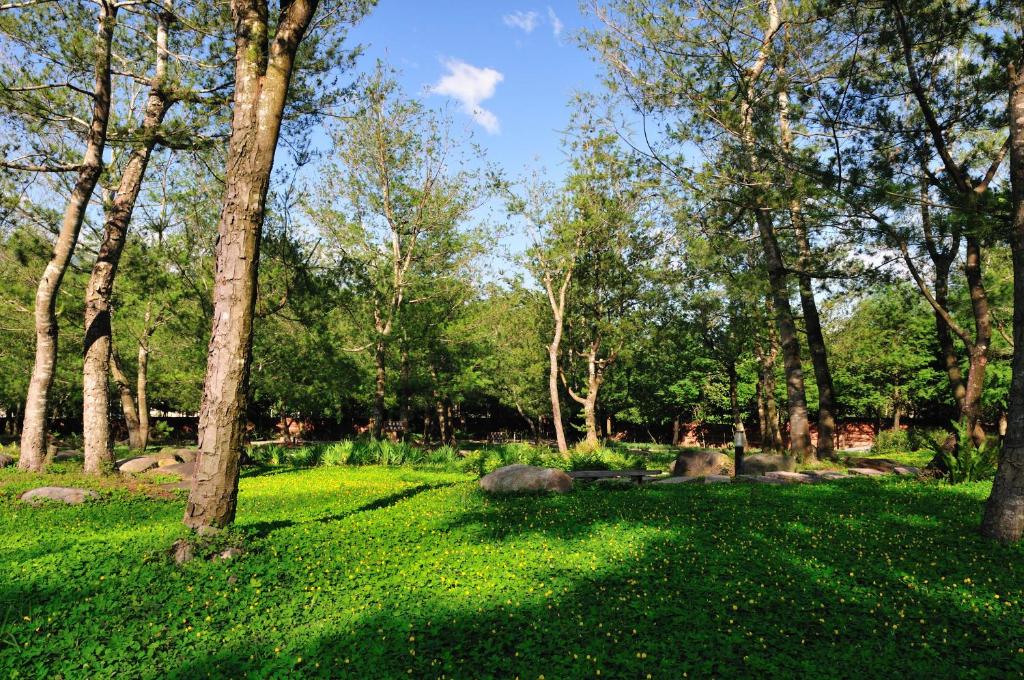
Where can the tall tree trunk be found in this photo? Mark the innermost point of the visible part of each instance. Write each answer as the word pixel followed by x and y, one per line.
pixel 98 446
pixel 263 69
pixel 136 442
pixel 771 436
pixel 676 427
pixel 978 354
pixel 404 386
pixel 33 434
pixel 556 403
pixel 1004 511
pixel 947 350
pixel 812 320
pixel 799 429
pixel 142 389
pixel 379 388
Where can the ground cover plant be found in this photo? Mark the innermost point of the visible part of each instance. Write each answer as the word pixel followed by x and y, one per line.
pixel 384 572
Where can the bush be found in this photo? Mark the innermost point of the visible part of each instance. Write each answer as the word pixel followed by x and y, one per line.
pixel 972 463
pixel 442 455
pixel 927 438
pixel 337 453
pixel 271 454
pixel 891 441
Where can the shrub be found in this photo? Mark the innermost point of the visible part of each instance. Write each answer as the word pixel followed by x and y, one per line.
pixel 891 441
pixel 972 463
pixel 271 454
pixel 602 459
pixel 442 455
pixel 927 438
pixel 337 453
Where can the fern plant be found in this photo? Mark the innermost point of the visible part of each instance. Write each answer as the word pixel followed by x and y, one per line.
pixel 973 462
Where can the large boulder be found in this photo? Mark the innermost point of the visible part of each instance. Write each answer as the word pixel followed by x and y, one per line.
pixel 524 478
pixel 762 463
pixel 64 494
pixel 5 460
pixel 136 465
pixel 182 455
pixel 183 470
pixel 701 463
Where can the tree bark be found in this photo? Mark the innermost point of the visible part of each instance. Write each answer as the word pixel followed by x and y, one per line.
pixel 131 415
pixel 978 353
pixel 263 70
pixel 558 315
pixel 812 320
pixel 799 430
pixel 97 442
pixel 33 434
pixel 379 388
pixel 142 389
pixel 1004 511
pixel 771 436
pixel 734 396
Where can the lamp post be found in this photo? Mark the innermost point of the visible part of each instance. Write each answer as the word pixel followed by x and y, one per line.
pixel 739 440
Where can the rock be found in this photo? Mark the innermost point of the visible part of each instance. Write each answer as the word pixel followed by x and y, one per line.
pixel 789 477
pixel 676 480
pixel 865 472
pixel 905 470
pixel 182 551
pixel 68 495
pixel 520 478
pixel 183 470
pixel 68 455
pixel 758 479
pixel 762 463
pixel 700 463
pixel 166 462
pixel 183 455
pixel 825 475
pixel 880 464
pixel 5 460
pixel 136 465
pixel 229 554
pixel 717 479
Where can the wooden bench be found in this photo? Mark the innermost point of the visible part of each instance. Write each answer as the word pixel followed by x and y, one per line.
pixel 636 475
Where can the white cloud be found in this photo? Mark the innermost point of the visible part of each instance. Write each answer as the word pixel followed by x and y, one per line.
pixel 556 23
pixel 526 21
pixel 471 85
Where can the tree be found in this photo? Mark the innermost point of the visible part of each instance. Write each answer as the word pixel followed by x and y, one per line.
pixel 1004 510
pixel 34 74
pixel 708 70
pixel 390 210
pixel 264 65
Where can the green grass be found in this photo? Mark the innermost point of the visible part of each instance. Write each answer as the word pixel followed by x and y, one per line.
pixel 395 572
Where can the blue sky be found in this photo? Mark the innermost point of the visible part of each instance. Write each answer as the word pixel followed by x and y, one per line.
pixel 506 70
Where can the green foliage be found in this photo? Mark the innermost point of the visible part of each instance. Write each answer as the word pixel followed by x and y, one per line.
pixel 891 441
pixel 602 459
pixel 970 462
pixel 355 568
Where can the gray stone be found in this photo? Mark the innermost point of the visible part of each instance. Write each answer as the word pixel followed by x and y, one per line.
pixel 700 463
pixel 136 465
pixel 866 472
pixel 904 470
pixel 523 478
pixel 229 554
pixel 717 479
pixel 5 460
pixel 762 463
pixel 182 551
pixel 789 477
pixel 183 470
pixel 68 495
pixel 825 475
pixel 676 480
